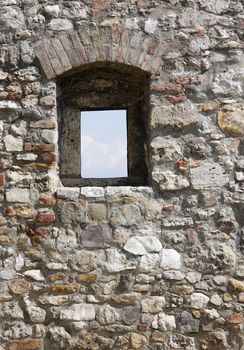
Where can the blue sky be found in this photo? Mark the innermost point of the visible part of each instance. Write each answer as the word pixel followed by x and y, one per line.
pixel 103 144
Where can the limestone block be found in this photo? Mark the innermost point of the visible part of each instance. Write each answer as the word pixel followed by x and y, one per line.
pixel 148 262
pixel 170 259
pixel 198 300
pixel 11 18
pixel 209 175
pixel 165 323
pixel 116 261
pixel 58 24
pixel 140 245
pixel 168 181
pixel 107 315
pixel 153 304
pixel 78 312
pixel 231 120
pixel 36 275
pixel 126 215
pixel 13 144
pixel 175 117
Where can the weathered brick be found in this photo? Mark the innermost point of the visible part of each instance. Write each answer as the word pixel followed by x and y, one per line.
pixel 100 5
pixel 153 47
pixel 95 37
pixel 49 157
pixel 44 124
pixel 167 88
pixel 79 49
pixel 61 53
pixel 142 52
pixel 44 60
pixel 188 80
pixel 67 45
pixel 46 218
pixel 53 59
pixel 39 147
pixel 123 46
pixel 65 288
pixel 27 344
pixel 116 34
pixel 176 99
pixel 1 179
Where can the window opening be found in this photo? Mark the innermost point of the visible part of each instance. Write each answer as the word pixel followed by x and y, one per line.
pixel 104 88
pixel 103 144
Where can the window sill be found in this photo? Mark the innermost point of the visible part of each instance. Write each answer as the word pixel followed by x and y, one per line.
pixel 95 192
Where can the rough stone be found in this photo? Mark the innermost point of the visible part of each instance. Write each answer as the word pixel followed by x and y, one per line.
pixel 138 340
pixel 230 120
pixel 170 259
pixel 165 323
pixel 140 245
pixel 153 304
pixel 198 300
pixel 127 215
pixel 107 315
pixel 208 175
pixel 78 312
pixel 172 118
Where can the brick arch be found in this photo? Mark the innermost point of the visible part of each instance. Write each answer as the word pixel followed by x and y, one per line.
pixel 69 51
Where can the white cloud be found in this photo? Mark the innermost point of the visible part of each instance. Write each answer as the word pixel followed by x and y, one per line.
pixel 100 159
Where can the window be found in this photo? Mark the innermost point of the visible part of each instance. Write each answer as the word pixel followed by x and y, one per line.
pixel 117 94
pixel 103 144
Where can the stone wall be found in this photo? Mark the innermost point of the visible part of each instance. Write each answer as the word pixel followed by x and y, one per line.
pixel 158 267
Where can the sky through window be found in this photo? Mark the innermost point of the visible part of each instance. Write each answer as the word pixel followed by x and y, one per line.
pixel 103 144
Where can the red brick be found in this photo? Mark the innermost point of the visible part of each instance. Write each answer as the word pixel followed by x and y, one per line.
pixel 176 99
pixel 50 157
pixel 42 147
pixel 1 179
pixel 100 5
pixel 142 327
pixel 167 88
pixel 46 218
pixel 14 96
pixel 43 58
pixel 27 344
pixel 188 80
pixel 79 49
pixel 44 124
pixel 46 199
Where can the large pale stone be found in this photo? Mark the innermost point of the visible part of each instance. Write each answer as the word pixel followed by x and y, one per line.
pixel 166 149
pixel 164 322
pixel 11 18
pixel 35 275
pixel 148 262
pixel 60 24
pixel 107 315
pixel 116 261
pixel 153 304
pixel 231 120
pixel 175 117
pixel 208 175
pixel 11 310
pixel 126 215
pixel 36 314
pixel 170 259
pixel 140 245
pixel 13 144
pixel 78 312
pixel 168 181
pixel 198 300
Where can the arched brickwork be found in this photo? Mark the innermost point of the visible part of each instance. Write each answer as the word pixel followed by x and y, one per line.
pixel 68 51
